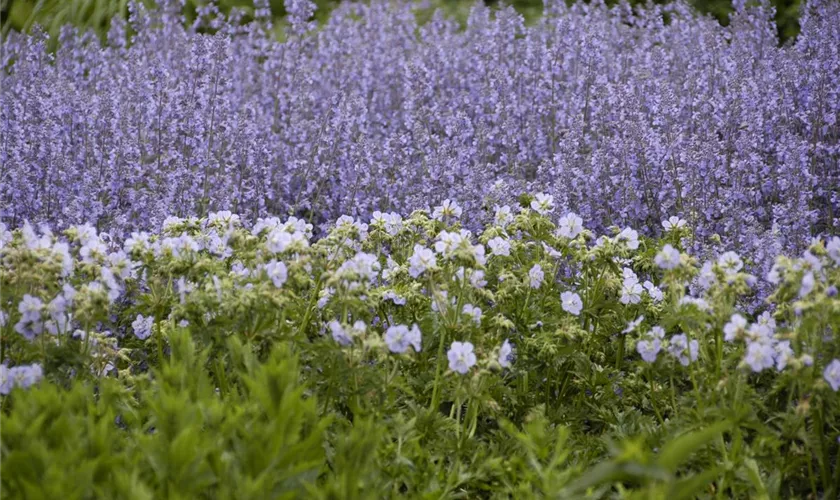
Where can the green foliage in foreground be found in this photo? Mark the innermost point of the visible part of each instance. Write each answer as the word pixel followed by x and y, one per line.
pixel 245 389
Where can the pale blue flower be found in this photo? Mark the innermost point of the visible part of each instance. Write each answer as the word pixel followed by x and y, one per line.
pixel 536 276
pixel 499 246
pixel 831 374
pixel 339 334
pixel 505 354
pixel 571 303
pixel 461 357
pixel 649 349
pixel 399 337
pixel 735 326
pixel 421 260
pixel 760 356
pixel 683 350
pixel 668 257
pixel 475 312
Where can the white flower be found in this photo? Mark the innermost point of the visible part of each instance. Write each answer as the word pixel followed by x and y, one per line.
pixel 422 260
pixel 499 246
pixel 449 208
pixel 571 303
pixel 673 223
pixel 475 312
pixel 668 257
pixel 542 203
pixel 448 242
pixel 631 292
pixel 630 238
pixel 503 216
pixel 461 357
pixel 570 226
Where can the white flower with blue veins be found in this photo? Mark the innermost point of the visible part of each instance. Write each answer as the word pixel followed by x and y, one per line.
pixel 421 260
pixel 673 223
pixel 542 203
pixel 570 226
pixel 499 246
pixel 629 237
pixel 448 208
pixel 503 216
pixel 461 357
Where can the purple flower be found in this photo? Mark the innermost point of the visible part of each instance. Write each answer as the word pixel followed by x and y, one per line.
pixel 142 326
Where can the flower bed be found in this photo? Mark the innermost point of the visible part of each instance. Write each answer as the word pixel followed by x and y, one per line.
pixel 409 356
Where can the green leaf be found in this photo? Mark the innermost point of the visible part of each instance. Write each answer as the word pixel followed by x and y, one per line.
pixel 677 451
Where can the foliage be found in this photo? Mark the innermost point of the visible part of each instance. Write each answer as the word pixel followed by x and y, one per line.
pixel 222 358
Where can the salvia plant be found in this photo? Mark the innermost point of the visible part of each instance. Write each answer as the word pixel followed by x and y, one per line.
pixel 624 115
pixel 409 356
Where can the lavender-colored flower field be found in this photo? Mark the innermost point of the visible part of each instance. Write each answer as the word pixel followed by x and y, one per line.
pixel 622 117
